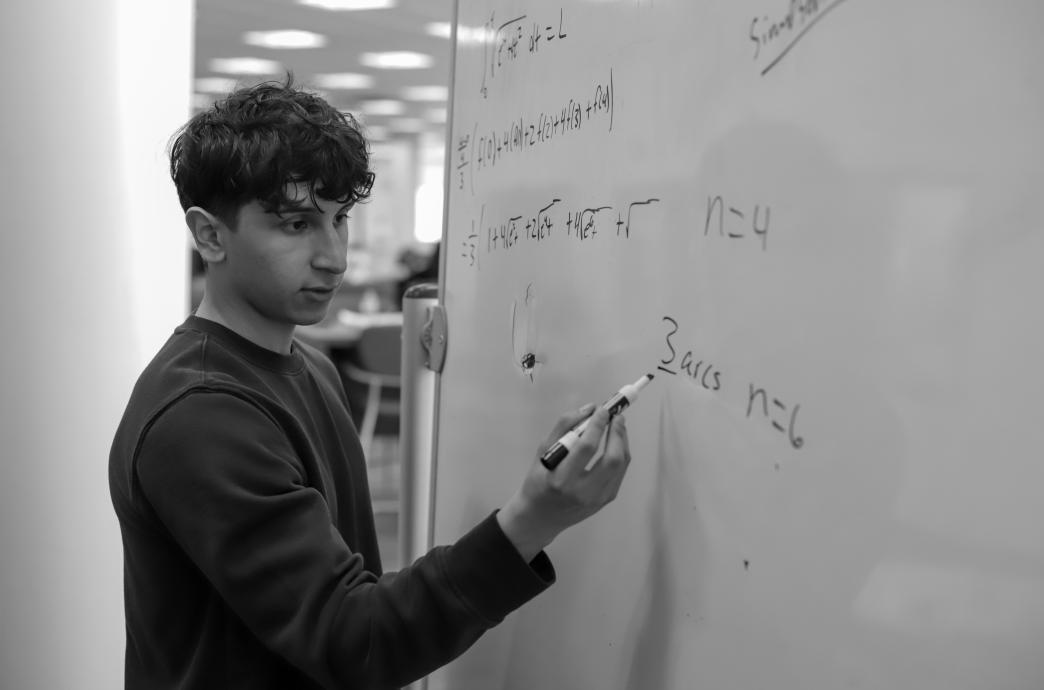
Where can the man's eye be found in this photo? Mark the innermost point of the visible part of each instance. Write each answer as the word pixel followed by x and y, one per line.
pixel 296 226
pixel 341 218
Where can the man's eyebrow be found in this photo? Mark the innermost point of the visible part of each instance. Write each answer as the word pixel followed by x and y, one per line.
pixel 305 207
pixel 294 208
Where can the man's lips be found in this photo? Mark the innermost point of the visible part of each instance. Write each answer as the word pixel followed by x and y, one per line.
pixel 320 290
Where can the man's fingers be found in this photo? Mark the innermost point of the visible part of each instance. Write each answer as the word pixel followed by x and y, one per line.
pixel 617 443
pixel 587 445
pixel 616 457
pixel 565 423
pixel 596 427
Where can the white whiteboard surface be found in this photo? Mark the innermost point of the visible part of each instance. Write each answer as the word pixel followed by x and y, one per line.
pixel 821 226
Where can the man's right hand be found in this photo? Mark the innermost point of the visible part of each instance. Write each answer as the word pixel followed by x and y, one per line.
pixel 549 501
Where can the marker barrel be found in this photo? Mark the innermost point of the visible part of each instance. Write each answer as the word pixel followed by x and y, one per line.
pixel 554 455
pixel 615 405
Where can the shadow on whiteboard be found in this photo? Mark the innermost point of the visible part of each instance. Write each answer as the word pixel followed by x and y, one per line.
pixel 671 592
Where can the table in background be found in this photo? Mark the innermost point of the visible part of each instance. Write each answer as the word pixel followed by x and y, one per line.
pixel 342 329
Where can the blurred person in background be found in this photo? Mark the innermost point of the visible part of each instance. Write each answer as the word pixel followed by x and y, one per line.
pixel 420 268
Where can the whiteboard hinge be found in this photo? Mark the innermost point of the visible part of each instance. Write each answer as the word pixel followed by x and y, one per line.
pixel 433 338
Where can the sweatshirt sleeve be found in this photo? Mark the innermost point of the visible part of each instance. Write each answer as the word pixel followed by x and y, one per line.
pixel 223 478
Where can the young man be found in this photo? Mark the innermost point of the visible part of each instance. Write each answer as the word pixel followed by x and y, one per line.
pixel 250 557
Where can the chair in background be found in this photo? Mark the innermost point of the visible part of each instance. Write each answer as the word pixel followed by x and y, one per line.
pixel 372 380
pixel 370 371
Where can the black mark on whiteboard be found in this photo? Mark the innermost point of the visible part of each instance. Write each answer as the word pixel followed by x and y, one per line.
pixel 524 333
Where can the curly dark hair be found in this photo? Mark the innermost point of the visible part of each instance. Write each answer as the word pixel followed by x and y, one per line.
pixel 255 142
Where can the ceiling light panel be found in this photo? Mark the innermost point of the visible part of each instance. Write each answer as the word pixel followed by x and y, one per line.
pixel 348 5
pixel 469 35
pixel 245 65
pixel 403 59
pixel 344 80
pixel 382 106
pixel 284 39
pixel 432 94
pixel 439 29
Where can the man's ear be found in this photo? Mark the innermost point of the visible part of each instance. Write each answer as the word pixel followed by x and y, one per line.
pixel 206 233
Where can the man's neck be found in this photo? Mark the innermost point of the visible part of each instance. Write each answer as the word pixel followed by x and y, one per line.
pixel 277 342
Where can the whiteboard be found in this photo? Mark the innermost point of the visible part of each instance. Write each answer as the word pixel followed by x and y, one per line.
pixel 821 226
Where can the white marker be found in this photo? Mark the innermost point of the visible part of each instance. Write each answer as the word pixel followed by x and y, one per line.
pixel 616 404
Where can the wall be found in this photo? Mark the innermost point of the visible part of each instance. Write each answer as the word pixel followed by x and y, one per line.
pixel 93 279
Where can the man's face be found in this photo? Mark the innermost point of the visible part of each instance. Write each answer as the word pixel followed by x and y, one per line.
pixel 282 268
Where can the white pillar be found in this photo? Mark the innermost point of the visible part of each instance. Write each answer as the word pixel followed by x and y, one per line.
pixel 93 276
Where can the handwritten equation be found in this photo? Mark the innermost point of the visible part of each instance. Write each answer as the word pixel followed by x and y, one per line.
pixel 774 36
pixel 775 411
pixel 737 221
pixel 487 147
pixel 552 221
pixel 514 39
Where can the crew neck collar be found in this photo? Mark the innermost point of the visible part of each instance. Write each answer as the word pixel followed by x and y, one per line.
pixel 248 349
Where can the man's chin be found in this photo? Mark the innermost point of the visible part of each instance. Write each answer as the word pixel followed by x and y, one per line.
pixel 309 319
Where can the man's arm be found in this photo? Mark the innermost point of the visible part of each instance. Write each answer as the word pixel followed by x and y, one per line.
pixel 222 476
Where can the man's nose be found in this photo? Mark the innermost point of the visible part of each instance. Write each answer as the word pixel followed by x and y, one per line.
pixel 331 250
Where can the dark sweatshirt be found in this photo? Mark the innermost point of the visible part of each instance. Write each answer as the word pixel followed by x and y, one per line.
pixel 250 555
